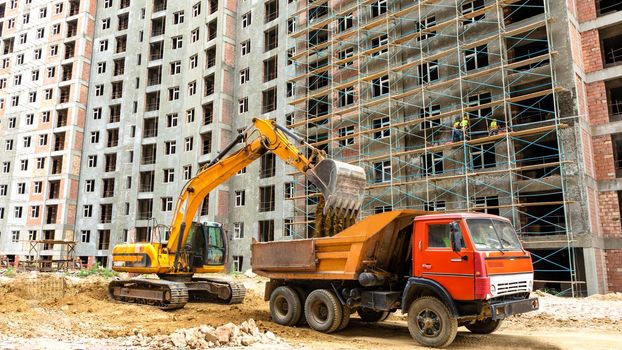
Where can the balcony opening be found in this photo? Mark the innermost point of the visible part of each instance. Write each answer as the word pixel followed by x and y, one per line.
pixel 266 198
pixel 72 28
pixel 145 209
pixel 266 230
pixel 156 50
pixel 148 155
pixel 210 57
pixel 70 49
pixel 8 45
pixel 121 44
pixel 541 155
pixel 152 101
pixel 124 4
pixel 111 162
pixel 616 142
pixel 318 106
pixel 105 216
pixel 533 110
pixel 117 90
pixel 209 85
pixel 115 114
pixel 270 69
pixel 271 10
pixel 208 113
pixel 54 189
pixel 614 99
pixel 154 76
pixel 206 142
pixel 158 26
pixel 51 214
pixel 212 29
pixel 159 5
pixel 523 48
pixel 150 127
pixel 74 8
pixel 271 39
pixel 57 165
pixel 319 36
pixel 103 240
pixel 268 100
pixel 123 21
pixel 59 141
pixel 67 71
pixel 146 181
pixel 611 43
pixel 64 94
pixel 316 12
pixel 523 9
pixel 608 6
pixel 213 6
pixel 113 138
pixel 61 117
pixel 107 188
pixel 268 166
pixel 318 80
pixel 143 234
pixel 119 66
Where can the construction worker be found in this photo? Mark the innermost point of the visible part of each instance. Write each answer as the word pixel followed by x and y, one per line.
pixel 464 125
pixel 456 134
pixel 493 128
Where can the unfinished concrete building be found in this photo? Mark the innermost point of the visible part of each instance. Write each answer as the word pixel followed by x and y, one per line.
pixel 388 84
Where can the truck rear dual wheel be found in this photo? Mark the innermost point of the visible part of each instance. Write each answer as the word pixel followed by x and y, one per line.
pixel 285 306
pixel 486 326
pixel 430 323
pixel 323 311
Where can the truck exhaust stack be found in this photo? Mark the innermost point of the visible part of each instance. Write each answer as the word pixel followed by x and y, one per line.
pixel 342 184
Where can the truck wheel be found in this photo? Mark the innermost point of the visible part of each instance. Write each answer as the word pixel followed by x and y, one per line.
pixel 430 323
pixel 486 326
pixel 285 306
pixel 345 318
pixel 302 294
pixel 370 315
pixel 323 311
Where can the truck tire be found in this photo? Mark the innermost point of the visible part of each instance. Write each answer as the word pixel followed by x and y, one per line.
pixel 486 326
pixel 430 323
pixel 302 294
pixel 370 315
pixel 285 306
pixel 323 311
pixel 345 318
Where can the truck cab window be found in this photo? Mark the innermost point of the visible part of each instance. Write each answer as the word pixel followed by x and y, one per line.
pixel 439 236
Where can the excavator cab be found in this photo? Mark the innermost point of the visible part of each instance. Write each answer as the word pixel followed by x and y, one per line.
pixel 206 244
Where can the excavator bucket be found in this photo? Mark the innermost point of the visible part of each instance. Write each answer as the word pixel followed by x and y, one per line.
pixel 342 185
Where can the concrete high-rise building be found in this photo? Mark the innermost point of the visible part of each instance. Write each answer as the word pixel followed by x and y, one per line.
pixel 45 59
pixel 509 107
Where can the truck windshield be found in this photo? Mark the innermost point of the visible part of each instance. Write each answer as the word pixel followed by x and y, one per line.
pixel 488 234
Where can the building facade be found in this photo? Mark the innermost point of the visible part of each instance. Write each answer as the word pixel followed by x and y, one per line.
pixel 508 107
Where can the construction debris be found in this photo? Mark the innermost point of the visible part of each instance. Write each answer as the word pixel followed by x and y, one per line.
pixel 333 222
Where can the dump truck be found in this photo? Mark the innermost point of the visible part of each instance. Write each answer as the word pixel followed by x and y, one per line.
pixel 442 270
pixel 200 247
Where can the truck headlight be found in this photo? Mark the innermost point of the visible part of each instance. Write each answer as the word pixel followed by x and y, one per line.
pixel 530 285
pixel 493 289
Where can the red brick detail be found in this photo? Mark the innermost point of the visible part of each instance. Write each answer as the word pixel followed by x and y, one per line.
pixel 603 156
pixel 609 214
pixel 586 10
pixel 592 56
pixel 614 270
pixel 223 203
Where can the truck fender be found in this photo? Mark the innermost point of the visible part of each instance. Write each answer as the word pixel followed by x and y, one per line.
pixel 415 288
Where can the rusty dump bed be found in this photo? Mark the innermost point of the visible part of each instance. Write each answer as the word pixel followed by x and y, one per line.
pixel 377 240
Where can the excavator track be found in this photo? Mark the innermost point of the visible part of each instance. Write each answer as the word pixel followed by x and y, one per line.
pixel 216 290
pixel 167 295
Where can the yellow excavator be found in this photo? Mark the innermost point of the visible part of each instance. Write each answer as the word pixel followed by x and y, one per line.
pixel 195 247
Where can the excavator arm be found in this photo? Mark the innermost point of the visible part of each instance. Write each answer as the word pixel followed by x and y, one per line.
pixel 341 184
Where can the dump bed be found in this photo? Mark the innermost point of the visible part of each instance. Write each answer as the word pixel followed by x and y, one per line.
pixel 381 240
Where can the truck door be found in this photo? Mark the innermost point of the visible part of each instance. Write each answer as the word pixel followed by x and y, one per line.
pixel 435 260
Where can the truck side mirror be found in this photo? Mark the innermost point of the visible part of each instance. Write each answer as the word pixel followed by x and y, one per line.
pixel 455 236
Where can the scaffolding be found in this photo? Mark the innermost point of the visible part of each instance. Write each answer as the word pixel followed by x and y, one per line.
pixel 382 84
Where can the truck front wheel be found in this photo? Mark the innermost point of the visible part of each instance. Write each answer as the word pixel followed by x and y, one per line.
pixel 486 326
pixel 323 311
pixel 370 315
pixel 285 306
pixel 430 323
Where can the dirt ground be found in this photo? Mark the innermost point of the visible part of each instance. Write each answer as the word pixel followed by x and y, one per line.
pixel 46 310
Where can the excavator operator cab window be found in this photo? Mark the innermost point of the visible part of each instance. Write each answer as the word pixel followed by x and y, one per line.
pixel 208 245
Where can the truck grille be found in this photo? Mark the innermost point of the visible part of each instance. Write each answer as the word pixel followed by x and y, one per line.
pixel 512 287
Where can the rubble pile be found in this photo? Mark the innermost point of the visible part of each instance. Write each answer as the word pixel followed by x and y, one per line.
pixel 203 337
